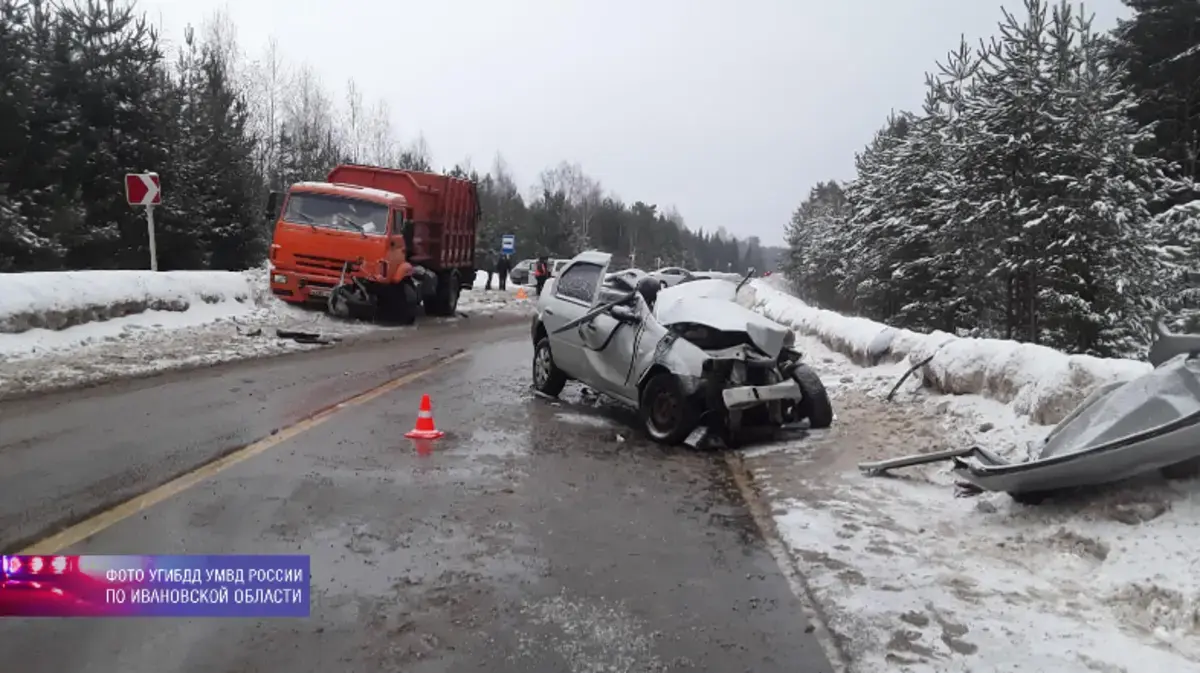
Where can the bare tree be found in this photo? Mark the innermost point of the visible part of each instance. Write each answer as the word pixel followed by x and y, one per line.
pixel 583 194
pixel 673 216
pixel 380 143
pixel 417 156
pixel 264 96
pixel 354 121
pixel 220 38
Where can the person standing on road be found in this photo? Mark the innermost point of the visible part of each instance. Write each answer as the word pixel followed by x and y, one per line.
pixel 485 257
pixel 503 267
pixel 541 273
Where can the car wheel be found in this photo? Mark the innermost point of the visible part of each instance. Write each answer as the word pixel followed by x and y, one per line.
pixel 815 405
pixel 666 413
pixel 547 377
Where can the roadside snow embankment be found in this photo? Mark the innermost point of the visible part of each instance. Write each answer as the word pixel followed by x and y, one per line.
pixel 1039 382
pixel 64 329
pixel 58 300
pixel 908 577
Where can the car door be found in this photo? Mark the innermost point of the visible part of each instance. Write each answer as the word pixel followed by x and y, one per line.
pixel 609 346
pixel 572 295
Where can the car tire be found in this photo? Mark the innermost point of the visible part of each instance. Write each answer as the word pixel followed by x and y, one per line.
pixel 666 413
pixel 548 379
pixel 815 405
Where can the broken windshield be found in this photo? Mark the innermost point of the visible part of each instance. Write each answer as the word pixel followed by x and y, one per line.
pixel 336 212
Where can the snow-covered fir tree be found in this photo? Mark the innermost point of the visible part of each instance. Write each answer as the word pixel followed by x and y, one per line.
pixel 1015 204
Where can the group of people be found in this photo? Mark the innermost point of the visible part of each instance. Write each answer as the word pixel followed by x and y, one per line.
pixel 503 267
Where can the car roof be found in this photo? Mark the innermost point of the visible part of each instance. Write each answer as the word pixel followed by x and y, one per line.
pixel 592 256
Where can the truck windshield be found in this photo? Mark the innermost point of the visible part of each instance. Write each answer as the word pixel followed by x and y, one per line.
pixel 336 212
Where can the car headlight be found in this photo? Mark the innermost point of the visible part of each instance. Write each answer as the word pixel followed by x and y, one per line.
pixel 280 278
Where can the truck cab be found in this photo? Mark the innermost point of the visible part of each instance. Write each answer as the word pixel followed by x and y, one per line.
pixel 326 233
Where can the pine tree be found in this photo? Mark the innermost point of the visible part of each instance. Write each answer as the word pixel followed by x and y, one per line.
pixel 819 237
pixel 21 241
pixel 1101 275
pixel 878 248
pixel 1159 50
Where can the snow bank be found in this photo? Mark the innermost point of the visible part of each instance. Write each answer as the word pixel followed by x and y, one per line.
pixel 58 300
pixel 1039 382
pixel 60 330
pixel 909 577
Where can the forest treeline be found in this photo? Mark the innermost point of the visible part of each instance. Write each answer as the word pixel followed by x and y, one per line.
pixel 1045 191
pixel 89 92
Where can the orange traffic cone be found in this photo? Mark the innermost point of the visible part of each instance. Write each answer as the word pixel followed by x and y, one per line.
pixel 425 428
pixel 521 293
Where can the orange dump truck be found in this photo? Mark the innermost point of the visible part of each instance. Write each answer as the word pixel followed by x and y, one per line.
pixel 375 242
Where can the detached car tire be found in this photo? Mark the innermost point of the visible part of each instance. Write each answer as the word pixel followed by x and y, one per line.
pixel 548 379
pixel 815 406
pixel 666 413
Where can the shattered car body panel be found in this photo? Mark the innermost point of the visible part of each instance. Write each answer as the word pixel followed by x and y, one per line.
pixel 1143 425
pixel 1121 430
pixel 733 365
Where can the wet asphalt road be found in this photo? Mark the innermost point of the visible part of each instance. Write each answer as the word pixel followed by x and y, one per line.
pixel 532 540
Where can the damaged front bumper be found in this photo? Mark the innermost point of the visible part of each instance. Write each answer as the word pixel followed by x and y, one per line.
pixel 741 388
pixel 743 397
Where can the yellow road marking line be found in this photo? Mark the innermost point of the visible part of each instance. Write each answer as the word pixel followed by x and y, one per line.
pixel 108 518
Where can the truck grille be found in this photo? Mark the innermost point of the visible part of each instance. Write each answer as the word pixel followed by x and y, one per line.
pixel 321 263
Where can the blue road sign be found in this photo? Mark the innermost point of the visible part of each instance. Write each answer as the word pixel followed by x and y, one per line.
pixel 508 244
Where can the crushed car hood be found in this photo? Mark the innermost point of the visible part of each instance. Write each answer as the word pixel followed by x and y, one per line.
pixel 711 303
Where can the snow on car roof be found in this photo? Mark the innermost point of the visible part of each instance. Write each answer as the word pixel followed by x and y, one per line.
pixel 593 257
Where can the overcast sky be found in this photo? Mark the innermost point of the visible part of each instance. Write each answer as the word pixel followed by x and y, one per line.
pixel 728 110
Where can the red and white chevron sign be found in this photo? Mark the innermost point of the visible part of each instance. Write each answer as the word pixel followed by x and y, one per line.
pixel 142 189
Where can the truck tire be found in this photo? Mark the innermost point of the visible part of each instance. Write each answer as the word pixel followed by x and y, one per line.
pixel 398 304
pixel 444 301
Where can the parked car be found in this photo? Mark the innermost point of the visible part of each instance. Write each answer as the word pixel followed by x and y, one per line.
pixel 623 281
pixel 522 272
pixel 673 275
pixel 695 364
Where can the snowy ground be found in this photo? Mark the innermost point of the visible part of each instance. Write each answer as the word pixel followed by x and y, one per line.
pixel 912 578
pixel 102 344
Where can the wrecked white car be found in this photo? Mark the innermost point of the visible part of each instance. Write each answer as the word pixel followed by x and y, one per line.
pixel 697 365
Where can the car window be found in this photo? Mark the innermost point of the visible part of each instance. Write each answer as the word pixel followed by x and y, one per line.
pixel 579 282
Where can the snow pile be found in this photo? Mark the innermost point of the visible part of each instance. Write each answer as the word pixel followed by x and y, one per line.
pixel 909 577
pixel 58 300
pixel 73 328
pixel 1040 382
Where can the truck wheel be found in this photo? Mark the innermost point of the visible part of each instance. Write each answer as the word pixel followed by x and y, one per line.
pixel 396 304
pixel 815 406
pixel 444 301
pixel 667 414
pixel 547 377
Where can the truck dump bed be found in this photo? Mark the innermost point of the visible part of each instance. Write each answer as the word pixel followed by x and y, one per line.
pixel 445 211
